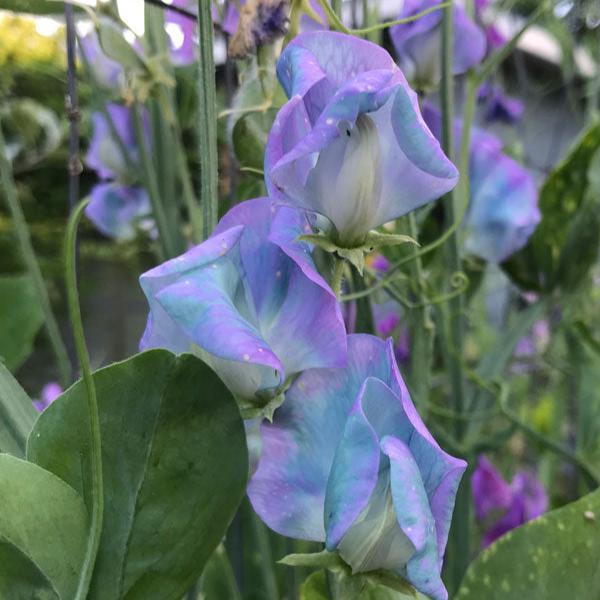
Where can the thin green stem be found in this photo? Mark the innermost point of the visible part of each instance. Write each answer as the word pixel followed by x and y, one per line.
pixel 207 121
pixel 422 334
pixel 97 496
pixel 337 279
pixel 168 246
pixel 261 536
pixel 189 197
pixel 32 266
pixel 452 338
pixel 336 23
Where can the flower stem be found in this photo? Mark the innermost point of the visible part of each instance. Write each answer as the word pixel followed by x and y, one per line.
pixel 207 121
pixel 168 246
pixel 97 496
pixel 32 266
pixel 453 327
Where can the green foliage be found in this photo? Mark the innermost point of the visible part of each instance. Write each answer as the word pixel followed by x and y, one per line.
pixel 22 317
pixel 551 558
pixel 565 243
pixel 373 584
pixel 175 467
pixel 43 529
pixel 316 587
pixel 17 415
pixel 37 7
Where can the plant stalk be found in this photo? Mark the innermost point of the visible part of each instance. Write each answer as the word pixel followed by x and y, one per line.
pixel 207 122
pixel 32 265
pixel 453 326
pixel 95 533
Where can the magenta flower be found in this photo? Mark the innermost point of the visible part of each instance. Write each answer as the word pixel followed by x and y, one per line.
pixel 418 43
pixel 495 38
pixel 348 461
pixel 500 506
pixel 249 301
pixel 351 144
pixel 50 392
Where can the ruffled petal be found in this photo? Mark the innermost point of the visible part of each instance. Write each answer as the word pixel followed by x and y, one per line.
pixel 289 486
pixel 415 518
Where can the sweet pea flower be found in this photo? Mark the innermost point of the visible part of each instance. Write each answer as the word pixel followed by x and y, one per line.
pixel 503 209
pixel 104 154
pixel 50 392
pixel 118 211
pixel 351 144
pixel 348 461
pixel 505 506
pixel 251 304
pixel 182 33
pixel 498 106
pixel 418 43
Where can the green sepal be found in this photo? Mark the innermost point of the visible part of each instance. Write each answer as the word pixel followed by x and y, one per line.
pixel 332 561
pixel 356 255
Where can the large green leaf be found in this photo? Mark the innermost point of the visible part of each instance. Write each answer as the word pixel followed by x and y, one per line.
pixel 43 532
pixel 555 557
pixel 21 317
pixel 40 7
pixel 175 469
pixel 17 415
pixel 561 198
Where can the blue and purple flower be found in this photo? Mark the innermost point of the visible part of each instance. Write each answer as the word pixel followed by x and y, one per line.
pixel 418 43
pixel 351 144
pixel 251 304
pixel 503 209
pixel 50 392
pixel 348 461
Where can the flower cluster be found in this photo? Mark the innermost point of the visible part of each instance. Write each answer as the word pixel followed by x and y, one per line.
pixel 345 458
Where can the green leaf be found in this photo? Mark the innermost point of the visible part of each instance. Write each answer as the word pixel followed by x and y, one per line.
pixel 321 560
pixel 175 468
pixel 580 250
pixel 536 266
pixel 20 577
pixel 43 529
pixel 17 415
pixel 38 7
pixel 249 137
pixel 551 558
pixel 22 318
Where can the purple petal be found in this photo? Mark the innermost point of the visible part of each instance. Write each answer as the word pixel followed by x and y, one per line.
pixel 50 392
pixel 182 33
pixel 418 43
pixel 242 300
pixel 288 488
pixel 107 72
pixel 322 139
pixel 490 491
pixel 116 211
